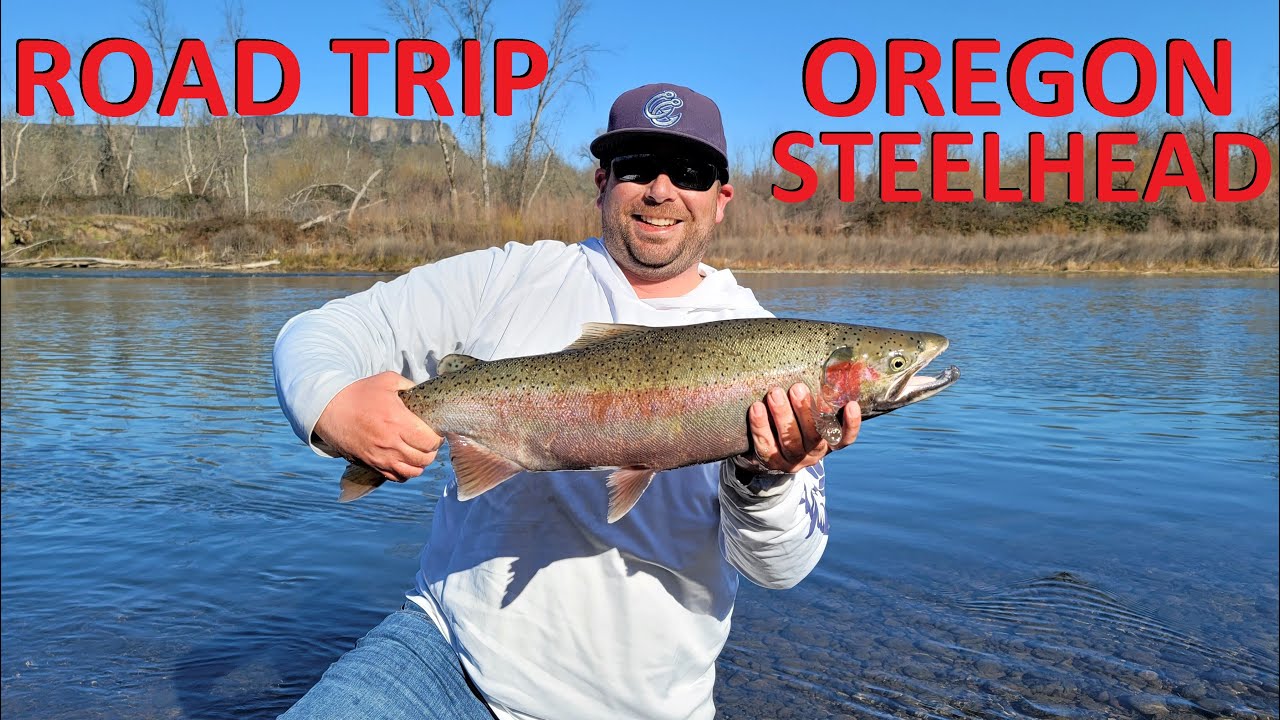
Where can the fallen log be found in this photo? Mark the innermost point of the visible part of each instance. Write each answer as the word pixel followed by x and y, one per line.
pixel 254 265
pixel 60 262
pixel 97 262
pixel 232 266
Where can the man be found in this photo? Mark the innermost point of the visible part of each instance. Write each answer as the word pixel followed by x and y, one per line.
pixel 526 591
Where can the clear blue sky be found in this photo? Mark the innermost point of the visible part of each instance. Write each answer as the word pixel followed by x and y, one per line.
pixel 745 55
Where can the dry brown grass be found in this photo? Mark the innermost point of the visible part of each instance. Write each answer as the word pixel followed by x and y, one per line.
pixel 390 243
pixel 411 221
pixel 1149 251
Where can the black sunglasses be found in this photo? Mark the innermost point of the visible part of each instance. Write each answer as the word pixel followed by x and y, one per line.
pixel 685 173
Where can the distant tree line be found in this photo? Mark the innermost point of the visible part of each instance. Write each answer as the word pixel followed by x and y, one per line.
pixel 217 163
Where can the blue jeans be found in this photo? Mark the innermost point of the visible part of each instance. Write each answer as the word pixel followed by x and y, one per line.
pixel 404 669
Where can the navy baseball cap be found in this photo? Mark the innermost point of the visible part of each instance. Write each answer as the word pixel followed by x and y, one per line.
pixel 663 110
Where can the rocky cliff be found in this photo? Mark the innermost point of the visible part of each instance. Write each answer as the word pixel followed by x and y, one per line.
pixel 277 128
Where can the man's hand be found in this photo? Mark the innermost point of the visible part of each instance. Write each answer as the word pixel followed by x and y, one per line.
pixel 368 421
pixel 784 435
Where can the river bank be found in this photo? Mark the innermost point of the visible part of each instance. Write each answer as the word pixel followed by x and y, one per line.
pixel 269 244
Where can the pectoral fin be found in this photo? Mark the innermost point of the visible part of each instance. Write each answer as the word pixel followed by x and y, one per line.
pixel 829 427
pixel 478 468
pixel 826 417
pixel 358 481
pixel 626 485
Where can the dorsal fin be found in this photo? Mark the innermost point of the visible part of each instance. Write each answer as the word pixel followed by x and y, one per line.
pixel 455 362
pixel 594 332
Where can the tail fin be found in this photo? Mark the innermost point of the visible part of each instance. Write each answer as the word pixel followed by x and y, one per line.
pixel 358 481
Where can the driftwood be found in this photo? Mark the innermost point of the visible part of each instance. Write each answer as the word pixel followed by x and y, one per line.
pixel 239 266
pixel 319 219
pixel 76 262
pixel 305 193
pixel 97 262
pixel 24 248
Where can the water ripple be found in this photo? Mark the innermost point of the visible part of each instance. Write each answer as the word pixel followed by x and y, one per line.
pixel 170 548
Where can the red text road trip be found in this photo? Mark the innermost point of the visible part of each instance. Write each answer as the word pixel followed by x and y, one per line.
pixel 45 64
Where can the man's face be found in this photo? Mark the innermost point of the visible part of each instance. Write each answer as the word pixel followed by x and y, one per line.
pixel 655 230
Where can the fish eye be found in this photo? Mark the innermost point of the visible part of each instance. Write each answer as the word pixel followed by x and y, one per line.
pixel 897 363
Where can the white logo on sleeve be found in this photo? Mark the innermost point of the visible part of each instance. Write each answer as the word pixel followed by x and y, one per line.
pixel 662 109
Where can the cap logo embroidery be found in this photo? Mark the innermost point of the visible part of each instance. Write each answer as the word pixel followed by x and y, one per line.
pixel 662 109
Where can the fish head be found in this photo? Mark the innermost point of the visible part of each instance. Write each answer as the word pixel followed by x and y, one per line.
pixel 878 368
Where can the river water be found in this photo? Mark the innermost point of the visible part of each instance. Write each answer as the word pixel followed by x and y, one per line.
pixel 1084 526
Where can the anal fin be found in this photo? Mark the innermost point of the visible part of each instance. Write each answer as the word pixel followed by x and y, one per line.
pixel 626 485
pixel 478 468
pixel 357 481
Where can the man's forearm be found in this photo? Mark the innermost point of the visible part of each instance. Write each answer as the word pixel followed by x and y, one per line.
pixel 774 527
pixel 316 355
pixel 394 326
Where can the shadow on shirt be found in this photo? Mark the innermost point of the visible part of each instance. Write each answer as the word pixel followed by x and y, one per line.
pixel 520 535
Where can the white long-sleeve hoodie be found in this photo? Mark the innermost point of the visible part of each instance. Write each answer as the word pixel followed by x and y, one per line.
pixel 554 612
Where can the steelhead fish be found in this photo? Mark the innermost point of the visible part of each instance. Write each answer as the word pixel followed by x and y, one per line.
pixel 644 399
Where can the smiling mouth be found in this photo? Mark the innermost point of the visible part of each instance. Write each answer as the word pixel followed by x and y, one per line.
pixel 657 222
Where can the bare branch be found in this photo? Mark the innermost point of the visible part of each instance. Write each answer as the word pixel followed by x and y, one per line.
pixel 546 165
pixel 413 17
pixel 244 165
pixel 232 21
pixel 304 194
pixel 9 179
pixel 154 23
pixel 321 219
pixel 566 64
pixel 360 195
pixel 13 253
pixel 470 18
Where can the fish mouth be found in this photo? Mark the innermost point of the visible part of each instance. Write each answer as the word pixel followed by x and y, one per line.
pixel 918 387
pixel 914 387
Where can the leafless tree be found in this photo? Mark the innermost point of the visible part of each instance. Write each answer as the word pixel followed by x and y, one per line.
pixel 155 24
pixel 154 21
pixel 470 18
pixel 117 143
pixel 567 63
pixel 413 18
pixel 8 176
pixel 1268 124
pixel 233 30
pixel 59 154
pixel 1199 133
